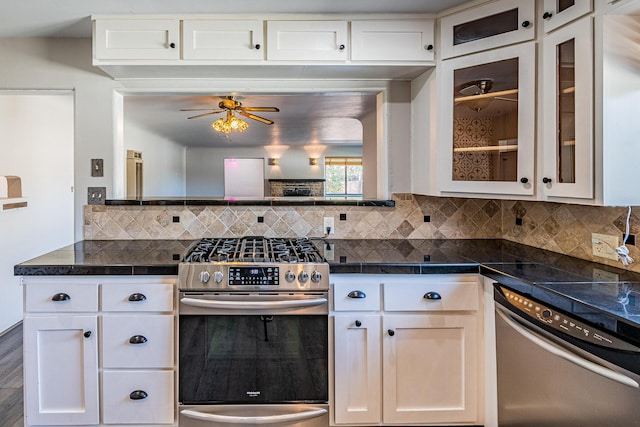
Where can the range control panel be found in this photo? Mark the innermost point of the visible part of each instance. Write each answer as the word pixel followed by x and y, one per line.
pixel 564 323
pixel 255 275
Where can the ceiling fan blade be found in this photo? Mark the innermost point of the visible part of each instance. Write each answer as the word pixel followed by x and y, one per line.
pixel 197 109
pixel 257 118
pixel 500 98
pixel 264 109
pixel 486 95
pixel 202 115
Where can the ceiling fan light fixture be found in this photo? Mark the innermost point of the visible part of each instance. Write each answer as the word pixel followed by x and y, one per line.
pixel 229 124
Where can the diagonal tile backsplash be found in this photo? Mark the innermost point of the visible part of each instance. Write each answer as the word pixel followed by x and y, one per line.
pixel 557 227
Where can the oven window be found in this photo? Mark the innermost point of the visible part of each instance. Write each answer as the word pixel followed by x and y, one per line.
pixel 253 359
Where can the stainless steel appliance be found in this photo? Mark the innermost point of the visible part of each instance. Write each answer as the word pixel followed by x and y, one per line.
pixel 253 333
pixel 557 369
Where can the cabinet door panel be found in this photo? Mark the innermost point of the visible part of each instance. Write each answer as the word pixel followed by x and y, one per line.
pixel 557 13
pixel 223 40
pixel 488 122
pixel 61 370
pixel 431 369
pixel 357 369
pixel 307 40
pixel 392 41
pixel 137 39
pixel 137 297
pixel 568 111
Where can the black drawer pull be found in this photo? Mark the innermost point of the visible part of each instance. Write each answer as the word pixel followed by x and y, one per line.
pixel 391 332
pixel 87 334
pixel 356 294
pixel 358 323
pixel 138 339
pixel 137 297
pixel 172 45
pixel 61 297
pixel 138 395
pixel 432 296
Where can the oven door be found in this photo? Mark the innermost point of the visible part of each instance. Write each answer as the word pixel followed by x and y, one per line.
pixel 249 349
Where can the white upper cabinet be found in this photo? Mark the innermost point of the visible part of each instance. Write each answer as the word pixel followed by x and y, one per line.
pixel 223 40
pixel 487 122
pixel 568 164
pixel 557 13
pixel 488 26
pixel 392 40
pixel 132 39
pixel 307 41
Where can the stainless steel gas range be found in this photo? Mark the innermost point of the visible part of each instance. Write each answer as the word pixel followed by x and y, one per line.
pixel 253 333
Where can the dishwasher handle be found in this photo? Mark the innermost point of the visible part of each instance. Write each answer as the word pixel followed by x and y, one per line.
pixel 260 420
pixel 563 353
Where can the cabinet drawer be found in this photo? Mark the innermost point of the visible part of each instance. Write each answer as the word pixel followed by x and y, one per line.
pixel 434 296
pixel 119 403
pixel 137 341
pixel 137 297
pixel 61 297
pixel 356 294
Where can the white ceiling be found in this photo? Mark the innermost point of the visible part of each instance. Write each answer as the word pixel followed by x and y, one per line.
pixel 303 118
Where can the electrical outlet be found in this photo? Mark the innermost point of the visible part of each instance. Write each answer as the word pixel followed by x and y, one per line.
pixel 604 246
pixel 328 224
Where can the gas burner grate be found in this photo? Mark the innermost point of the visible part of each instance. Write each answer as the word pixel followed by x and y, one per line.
pixel 254 249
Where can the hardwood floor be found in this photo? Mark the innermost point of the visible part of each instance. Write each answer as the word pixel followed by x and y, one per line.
pixel 11 378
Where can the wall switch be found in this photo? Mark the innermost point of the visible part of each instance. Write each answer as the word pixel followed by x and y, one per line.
pixel 96 195
pixel 328 225
pixel 604 246
pixel 97 167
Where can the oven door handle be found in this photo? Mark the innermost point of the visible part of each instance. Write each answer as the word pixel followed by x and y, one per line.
pixel 263 420
pixel 252 305
pixel 562 353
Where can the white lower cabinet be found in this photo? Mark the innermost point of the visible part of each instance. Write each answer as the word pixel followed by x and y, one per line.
pixel 61 369
pixel 81 329
pixel 415 358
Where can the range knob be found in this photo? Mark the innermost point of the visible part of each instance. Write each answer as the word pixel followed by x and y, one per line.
pixel 218 276
pixel 546 313
pixel 204 276
pixel 289 276
pixel 303 277
pixel 316 276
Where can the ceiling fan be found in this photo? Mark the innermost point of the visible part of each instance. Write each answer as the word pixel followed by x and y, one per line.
pixel 477 94
pixel 229 104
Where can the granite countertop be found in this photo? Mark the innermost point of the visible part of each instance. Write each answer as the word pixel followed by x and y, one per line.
pixel 570 283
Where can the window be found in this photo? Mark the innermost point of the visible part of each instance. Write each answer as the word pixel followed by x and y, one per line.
pixel 343 176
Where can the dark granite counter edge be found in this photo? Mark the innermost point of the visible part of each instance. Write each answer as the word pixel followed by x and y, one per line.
pixel 270 202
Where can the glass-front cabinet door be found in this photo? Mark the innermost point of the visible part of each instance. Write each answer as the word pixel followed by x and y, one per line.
pixel 488 122
pixel 568 111
pixel 495 24
pixel 557 13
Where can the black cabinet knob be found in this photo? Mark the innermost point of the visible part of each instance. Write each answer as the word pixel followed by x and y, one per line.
pixel 172 45
pixel 87 334
pixel 341 47
pixel 138 395
pixel 429 47
pixel 547 15
pixel 61 297
pixel 357 294
pixel 391 332
pixel 257 47
pixel 137 297
pixel 432 295
pixel 526 24
pixel 138 339
pixel 524 180
pixel 546 180
pixel 358 323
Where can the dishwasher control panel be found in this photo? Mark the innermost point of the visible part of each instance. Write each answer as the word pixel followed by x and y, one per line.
pixel 562 322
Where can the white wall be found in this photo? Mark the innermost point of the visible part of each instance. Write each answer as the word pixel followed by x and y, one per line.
pixel 205 165
pixel 36 145
pixel 164 161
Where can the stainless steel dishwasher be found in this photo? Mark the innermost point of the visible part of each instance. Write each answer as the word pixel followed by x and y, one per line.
pixel 557 370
